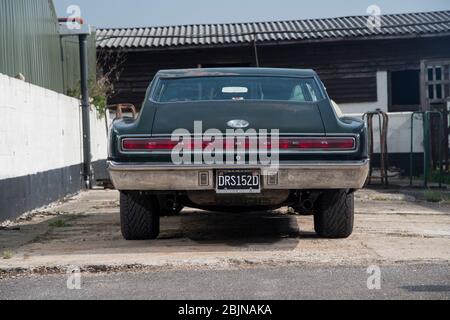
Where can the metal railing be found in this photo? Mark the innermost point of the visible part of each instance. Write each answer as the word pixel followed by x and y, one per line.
pixel 426 117
pixel 383 123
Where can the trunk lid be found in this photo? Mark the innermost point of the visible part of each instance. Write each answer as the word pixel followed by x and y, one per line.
pixel 288 117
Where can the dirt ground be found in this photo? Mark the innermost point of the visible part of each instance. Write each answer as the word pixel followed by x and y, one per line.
pixel 84 231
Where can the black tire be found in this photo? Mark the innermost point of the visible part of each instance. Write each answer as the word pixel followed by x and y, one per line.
pixel 334 214
pixel 139 216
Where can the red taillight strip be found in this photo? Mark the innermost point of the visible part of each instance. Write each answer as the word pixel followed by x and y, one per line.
pixel 148 144
pixel 294 143
pixel 317 143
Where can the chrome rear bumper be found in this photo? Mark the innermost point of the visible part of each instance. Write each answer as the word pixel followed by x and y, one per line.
pixel 305 175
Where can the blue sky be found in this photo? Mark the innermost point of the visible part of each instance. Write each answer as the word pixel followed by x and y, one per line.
pixel 130 13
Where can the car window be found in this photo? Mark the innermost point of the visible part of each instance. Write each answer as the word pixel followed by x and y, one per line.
pixel 237 88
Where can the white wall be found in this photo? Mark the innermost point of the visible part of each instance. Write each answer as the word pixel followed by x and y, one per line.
pixel 99 136
pixel 399 132
pixel 41 130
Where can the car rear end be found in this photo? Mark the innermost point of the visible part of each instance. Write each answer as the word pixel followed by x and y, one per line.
pixel 228 139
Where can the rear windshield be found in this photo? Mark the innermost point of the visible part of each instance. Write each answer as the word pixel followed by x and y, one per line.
pixel 237 88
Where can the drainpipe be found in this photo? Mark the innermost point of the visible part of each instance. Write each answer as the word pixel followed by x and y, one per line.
pixel 85 105
pixel 68 28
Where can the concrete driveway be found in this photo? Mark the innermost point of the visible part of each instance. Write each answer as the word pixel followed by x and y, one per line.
pixel 85 231
pixel 392 230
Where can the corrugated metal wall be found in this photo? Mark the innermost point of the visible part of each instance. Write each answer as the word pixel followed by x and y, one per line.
pixel 71 60
pixel 30 44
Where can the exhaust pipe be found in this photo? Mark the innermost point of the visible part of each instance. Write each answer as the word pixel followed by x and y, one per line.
pixel 170 204
pixel 307 204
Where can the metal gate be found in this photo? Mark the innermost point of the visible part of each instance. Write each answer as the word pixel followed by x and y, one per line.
pixel 435 96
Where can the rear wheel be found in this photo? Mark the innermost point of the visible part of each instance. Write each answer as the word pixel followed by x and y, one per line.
pixel 139 216
pixel 334 214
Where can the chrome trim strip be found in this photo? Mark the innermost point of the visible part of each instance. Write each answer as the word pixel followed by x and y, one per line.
pixel 115 166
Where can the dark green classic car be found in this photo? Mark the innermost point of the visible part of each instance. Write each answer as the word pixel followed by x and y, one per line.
pixel 237 140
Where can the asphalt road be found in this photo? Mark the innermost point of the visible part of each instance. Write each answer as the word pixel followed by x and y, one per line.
pixel 430 281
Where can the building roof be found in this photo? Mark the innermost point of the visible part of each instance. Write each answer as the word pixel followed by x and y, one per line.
pixel 330 29
pixel 211 72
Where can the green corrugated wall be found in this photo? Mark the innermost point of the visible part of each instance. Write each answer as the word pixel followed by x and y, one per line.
pixel 71 60
pixel 30 44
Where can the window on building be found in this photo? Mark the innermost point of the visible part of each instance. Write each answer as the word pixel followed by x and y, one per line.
pixel 437 83
pixel 404 90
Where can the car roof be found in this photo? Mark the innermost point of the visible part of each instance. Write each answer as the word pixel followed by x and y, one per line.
pixel 210 72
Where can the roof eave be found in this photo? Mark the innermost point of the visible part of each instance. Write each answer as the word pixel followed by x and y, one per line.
pixel 276 42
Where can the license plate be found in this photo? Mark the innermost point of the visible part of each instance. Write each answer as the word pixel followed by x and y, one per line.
pixel 238 181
